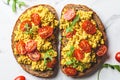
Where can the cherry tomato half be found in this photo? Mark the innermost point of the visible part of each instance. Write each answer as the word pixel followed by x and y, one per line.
pixel 45 32
pixel 20 78
pixel 69 14
pixel 31 45
pixel 70 34
pixel 85 46
pixel 22 26
pixel 34 56
pixel 35 18
pixel 117 56
pixel 89 27
pixel 52 63
pixel 70 71
pixel 20 47
pixel 78 54
pixel 102 50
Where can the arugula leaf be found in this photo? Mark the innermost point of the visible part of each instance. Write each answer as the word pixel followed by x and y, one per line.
pixel 70 62
pixel 8 1
pixel 21 4
pixel 70 27
pixel 28 30
pixel 69 53
pixel 116 67
pixel 47 55
pixel 14 6
pixel 27 27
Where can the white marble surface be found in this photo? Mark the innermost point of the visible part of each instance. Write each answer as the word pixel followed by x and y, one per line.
pixel 108 11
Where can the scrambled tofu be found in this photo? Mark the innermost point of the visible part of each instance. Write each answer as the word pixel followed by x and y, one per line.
pixel 43 45
pixel 94 40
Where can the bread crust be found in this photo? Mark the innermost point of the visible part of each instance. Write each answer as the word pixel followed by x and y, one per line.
pixel 44 74
pixel 100 60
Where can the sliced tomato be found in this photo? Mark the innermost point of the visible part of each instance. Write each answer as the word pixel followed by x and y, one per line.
pixel 31 46
pixel 85 46
pixel 52 63
pixel 35 18
pixel 70 34
pixel 102 50
pixel 69 14
pixel 20 47
pixel 78 54
pixel 34 56
pixel 117 56
pixel 45 32
pixel 89 27
pixel 70 71
pixel 20 78
pixel 23 25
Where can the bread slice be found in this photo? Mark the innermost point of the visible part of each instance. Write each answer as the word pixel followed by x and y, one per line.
pixel 27 68
pixel 100 60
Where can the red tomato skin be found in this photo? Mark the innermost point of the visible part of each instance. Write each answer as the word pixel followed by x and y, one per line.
pixel 22 26
pixel 34 56
pixel 85 46
pixel 45 32
pixel 30 46
pixel 78 54
pixel 70 34
pixel 35 18
pixel 89 27
pixel 20 78
pixel 69 14
pixel 70 71
pixel 117 56
pixel 102 50
pixel 52 63
pixel 20 47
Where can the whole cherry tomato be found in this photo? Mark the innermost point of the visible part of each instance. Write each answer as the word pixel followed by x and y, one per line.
pixel 20 78
pixel 117 56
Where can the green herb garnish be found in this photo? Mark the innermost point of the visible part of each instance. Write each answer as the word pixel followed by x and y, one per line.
pixel 28 30
pixel 16 3
pixel 27 27
pixel 14 6
pixel 8 1
pixel 20 4
pixel 116 67
pixel 47 55
pixel 69 53
pixel 70 62
pixel 70 27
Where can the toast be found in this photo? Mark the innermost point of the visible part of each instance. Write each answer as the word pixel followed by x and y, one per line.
pixel 80 54
pixel 37 52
